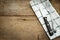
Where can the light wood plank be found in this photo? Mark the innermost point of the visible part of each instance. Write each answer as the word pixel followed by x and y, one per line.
pixel 14 28
pixel 15 7
pixel 21 7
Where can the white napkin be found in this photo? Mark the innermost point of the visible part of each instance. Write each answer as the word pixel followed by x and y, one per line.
pixel 39 8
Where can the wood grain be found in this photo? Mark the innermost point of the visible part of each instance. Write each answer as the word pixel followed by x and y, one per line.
pixel 15 7
pixel 18 21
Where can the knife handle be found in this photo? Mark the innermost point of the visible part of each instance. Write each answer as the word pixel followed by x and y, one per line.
pixel 48 26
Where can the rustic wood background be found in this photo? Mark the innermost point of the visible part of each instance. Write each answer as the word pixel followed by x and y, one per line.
pixel 18 21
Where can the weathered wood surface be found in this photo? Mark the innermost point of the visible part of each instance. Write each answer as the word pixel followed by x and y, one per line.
pixel 18 22
pixel 15 7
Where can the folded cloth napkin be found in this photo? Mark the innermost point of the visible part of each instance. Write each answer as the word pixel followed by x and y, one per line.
pixel 45 9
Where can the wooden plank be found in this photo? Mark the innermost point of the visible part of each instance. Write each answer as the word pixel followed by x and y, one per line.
pixel 14 28
pixel 15 7
pixel 20 7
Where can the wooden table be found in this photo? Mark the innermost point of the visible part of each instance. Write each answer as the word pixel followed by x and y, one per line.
pixel 18 21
